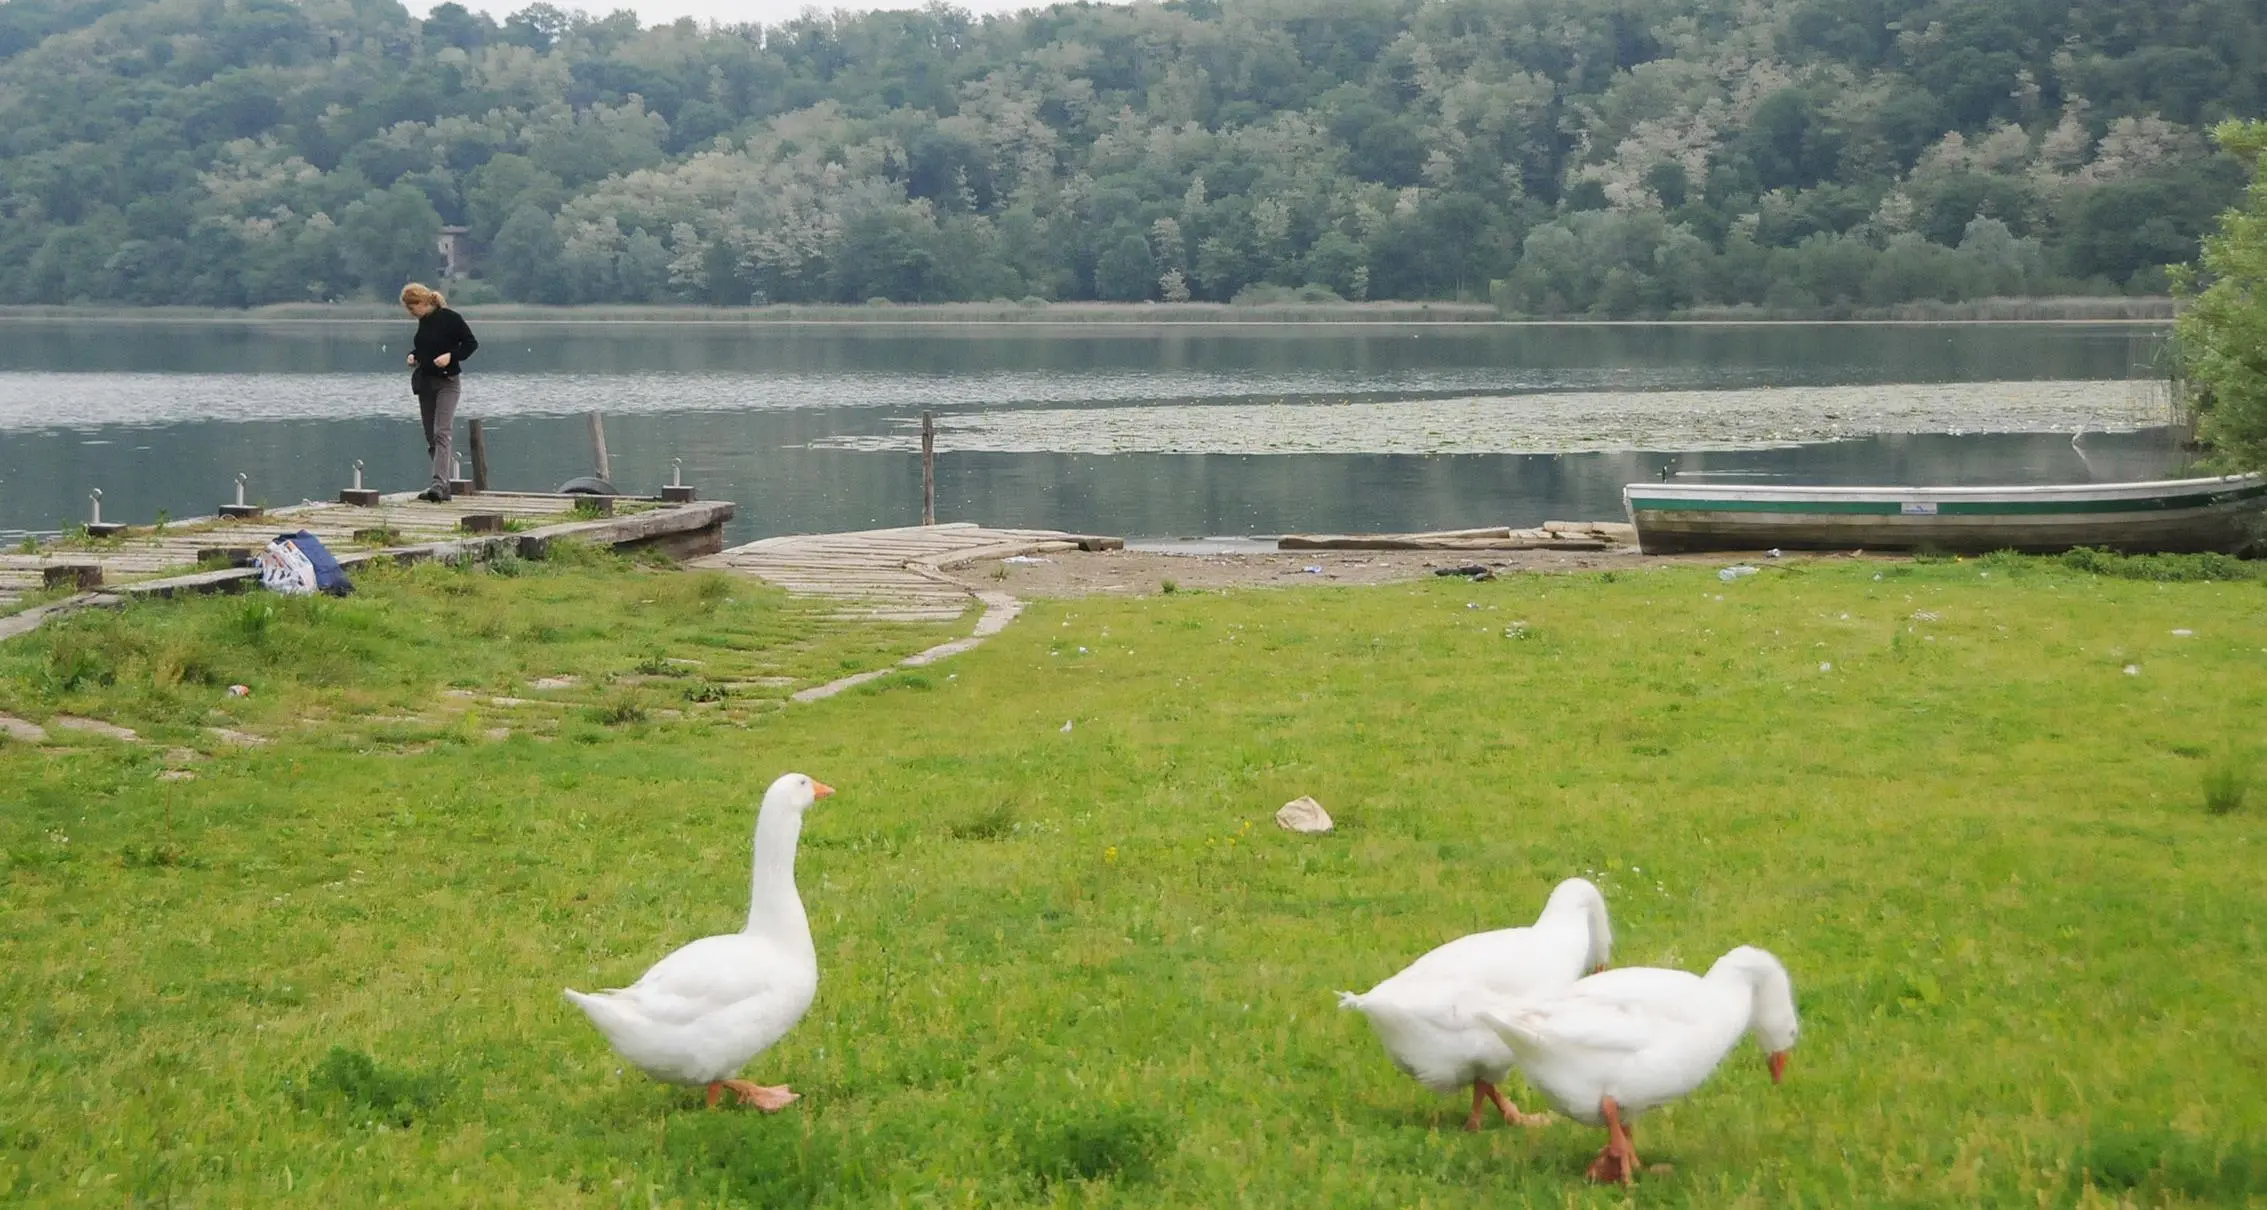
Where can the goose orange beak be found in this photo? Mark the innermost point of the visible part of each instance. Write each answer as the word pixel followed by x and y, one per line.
pixel 1778 1063
pixel 820 789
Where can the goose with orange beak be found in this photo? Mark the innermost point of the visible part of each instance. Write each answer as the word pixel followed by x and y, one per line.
pixel 1621 1042
pixel 702 1013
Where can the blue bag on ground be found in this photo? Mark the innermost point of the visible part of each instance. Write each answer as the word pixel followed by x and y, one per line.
pixel 329 576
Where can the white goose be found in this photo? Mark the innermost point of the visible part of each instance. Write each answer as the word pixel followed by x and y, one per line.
pixel 1424 1015
pixel 1619 1043
pixel 702 1012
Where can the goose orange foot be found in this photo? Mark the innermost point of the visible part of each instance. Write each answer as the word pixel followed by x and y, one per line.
pixel 765 1097
pixel 1617 1163
pixel 1483 1092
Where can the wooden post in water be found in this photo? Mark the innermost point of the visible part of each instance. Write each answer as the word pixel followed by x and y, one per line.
pixel 928 469
pixel 598 445
pixel 479 440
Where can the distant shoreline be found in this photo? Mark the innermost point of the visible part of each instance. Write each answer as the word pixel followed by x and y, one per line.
pixel 2077 310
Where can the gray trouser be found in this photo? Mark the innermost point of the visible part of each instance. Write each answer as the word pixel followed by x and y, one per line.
pixel 437 406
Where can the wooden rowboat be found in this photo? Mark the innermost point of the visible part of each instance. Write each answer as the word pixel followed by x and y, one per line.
pixel 2168 516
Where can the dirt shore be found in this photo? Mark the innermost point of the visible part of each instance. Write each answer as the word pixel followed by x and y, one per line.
pixel 1142 572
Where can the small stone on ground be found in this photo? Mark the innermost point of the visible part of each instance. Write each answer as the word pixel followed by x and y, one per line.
pixel 1303 814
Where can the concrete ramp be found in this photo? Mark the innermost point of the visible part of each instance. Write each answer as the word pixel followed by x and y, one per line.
pixel 893 575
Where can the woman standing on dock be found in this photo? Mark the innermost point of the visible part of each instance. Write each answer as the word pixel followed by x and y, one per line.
pixel 436 359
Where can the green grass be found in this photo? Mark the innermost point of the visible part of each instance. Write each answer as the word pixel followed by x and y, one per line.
pixel 1084 968
pixel 427 651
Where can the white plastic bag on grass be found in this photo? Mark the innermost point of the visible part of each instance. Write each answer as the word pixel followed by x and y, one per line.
pixel 285 570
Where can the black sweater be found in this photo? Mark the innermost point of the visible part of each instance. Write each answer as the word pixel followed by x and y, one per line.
pixel 440 331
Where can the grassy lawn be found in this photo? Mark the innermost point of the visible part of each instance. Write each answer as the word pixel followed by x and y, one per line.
pixel 1965 802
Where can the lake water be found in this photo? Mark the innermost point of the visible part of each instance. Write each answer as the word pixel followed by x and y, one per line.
pixel 1147 431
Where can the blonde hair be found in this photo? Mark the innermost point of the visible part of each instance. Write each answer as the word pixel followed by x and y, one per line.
pixel 418 292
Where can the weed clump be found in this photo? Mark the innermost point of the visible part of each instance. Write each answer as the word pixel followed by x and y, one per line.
pixel 658 664
pixel 161 855
pixel 2226 784
pixel 77 659
pixel 992 823
pixel 1106 1144
pixel 367 1090
pixel 619 712
pixel 2162 568
pixel 2161 1160
pixel 573 552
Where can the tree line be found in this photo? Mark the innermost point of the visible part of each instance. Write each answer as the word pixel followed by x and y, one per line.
pixel 1605 157
pixel 2220 341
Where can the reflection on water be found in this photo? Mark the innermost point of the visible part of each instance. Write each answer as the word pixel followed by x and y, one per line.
pixel 161 417
pixel 783 488
pixel 1469 357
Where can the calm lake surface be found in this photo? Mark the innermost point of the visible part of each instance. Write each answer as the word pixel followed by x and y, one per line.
pixel 1152 432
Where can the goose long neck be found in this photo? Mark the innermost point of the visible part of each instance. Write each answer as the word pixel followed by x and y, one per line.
pixel 774 908
pixel 1578 914
pixel 1755 987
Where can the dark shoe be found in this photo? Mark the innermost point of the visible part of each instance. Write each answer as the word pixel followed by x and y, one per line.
pixel 434 495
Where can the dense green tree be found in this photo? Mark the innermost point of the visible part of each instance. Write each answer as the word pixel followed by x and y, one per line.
pixel 538 27
pixel 1697 152
pixel 1126 272
pixel 2222 334
pixel 70 265
pixel 1788 143
pixel 2126 227
pixel 389 238
pixel 502 186
pixel 1670 183
pixel 888 254
pixel 524 257
pixel 451 24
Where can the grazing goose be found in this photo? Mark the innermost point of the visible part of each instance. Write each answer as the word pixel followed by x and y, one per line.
pixel 703 1012
pixel 1424 1014
pixel 1619 1043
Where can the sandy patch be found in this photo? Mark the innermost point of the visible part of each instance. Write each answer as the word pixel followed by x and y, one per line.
pixel 1144 572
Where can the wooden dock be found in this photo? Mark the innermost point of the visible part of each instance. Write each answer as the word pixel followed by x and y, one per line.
pixel 205 554
pixel 894 575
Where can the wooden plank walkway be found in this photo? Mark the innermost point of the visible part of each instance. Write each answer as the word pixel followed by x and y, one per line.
pixel 399 525
pixel 893 575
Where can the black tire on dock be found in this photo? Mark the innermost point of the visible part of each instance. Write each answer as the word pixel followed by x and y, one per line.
pixel 587 485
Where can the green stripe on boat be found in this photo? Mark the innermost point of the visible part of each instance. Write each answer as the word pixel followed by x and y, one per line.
pixel 1947 508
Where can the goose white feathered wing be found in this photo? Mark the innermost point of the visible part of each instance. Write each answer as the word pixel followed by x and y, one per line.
pixel 1424 1015
pixel 1621 1042
pixel 1641 1035
pixel 704 1011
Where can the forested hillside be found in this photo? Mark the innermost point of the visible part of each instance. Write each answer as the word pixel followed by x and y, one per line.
pixel 1614 157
